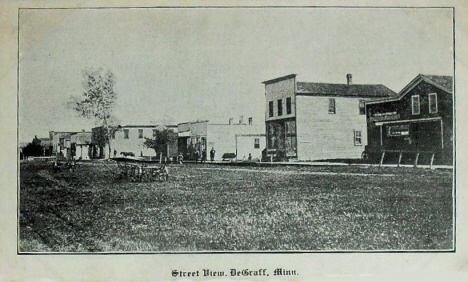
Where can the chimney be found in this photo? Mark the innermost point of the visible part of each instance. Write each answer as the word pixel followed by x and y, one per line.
pixel 231 120
pixel 241 120
pixel 250 121
pixel 349 78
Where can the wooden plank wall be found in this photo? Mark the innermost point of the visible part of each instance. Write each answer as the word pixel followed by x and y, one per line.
pixel 321 135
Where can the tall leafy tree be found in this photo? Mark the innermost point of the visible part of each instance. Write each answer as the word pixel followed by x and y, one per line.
pixel 160 142
pixel 97 101
pixel 34 148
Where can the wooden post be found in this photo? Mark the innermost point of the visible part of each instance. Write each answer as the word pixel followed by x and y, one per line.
pixel 399 158
pixel 432 159
pixel 416 160
pixel 382 158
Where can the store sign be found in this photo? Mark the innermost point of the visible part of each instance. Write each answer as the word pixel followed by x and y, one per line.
pixel 398 130
pixel 385 116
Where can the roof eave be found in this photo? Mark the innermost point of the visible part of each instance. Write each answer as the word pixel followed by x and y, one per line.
pixel 289 76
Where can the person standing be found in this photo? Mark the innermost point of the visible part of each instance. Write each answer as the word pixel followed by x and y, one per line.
pixel 196 156
pixel 212 154
pixel 203 160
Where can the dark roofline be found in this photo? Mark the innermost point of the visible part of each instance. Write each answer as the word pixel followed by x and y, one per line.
pixel 146 126
pixel 309 93
pixel 338 95
pixel 190 122
pixel 293 75
pixel 418 79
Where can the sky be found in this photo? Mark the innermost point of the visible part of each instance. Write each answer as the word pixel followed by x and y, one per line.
pixel 175 65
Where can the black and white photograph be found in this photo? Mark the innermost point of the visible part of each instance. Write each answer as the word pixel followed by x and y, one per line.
pixel 175 135
pixel 235 129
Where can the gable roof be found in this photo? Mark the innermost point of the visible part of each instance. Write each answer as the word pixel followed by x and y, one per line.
pixel 443 82
pixel 344 90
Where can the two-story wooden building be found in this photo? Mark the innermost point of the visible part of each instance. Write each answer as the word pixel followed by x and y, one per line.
pixel 317 121
pixel 417 123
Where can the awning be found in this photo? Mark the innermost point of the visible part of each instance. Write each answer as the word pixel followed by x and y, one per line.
pixel 408 121
pixel 185 134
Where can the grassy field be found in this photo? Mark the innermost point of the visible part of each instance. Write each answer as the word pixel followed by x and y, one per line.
pixel 219 208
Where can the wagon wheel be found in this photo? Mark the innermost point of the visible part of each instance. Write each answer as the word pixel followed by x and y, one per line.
pixel 364 155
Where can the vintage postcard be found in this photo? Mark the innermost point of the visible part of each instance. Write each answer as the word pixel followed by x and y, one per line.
pixel 235 140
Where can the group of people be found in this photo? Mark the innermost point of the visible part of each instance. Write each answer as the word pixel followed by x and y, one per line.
pixel 203 155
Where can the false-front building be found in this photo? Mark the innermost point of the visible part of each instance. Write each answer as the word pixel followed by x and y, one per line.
pixel 228 140
pixel 418 123
pixel 317 121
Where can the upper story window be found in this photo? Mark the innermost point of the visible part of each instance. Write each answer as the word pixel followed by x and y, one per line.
pixel 288 106
pixel 357 137
pixel 331 106
pixel 140 133
pixel 126 133
pixel 362 107
pixel 415 105
pixel 433 103
pixel 257 143
pixel 250 120
pixel 270 108
pixel 280 107
pixel 113 134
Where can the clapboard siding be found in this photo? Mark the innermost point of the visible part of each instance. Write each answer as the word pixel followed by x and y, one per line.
pixel 321 135
pixel 280 90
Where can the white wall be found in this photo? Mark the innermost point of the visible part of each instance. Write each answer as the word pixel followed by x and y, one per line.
pixel 133 143
pixel 82 151
pixel 246 145
pixel 321 135
pixel 223 137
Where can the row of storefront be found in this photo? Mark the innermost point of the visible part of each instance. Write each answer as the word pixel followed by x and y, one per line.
pixel 321 121
pixel 304 121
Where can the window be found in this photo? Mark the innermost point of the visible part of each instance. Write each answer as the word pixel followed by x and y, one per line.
pixel 140 133
pixel 398 130
pixel 126 133
pixel 113 134
pixel 357 138
pixel 288 106
pixel 250 120
pixel 271 108
pixel 331 106
pixel 257 143
pixel 415 104
pixel 433 103
pixel 155 132
pixel 280 107
pixel 362 107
